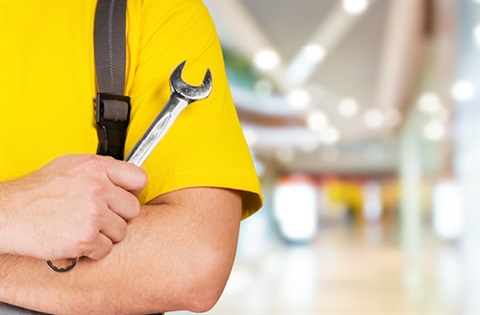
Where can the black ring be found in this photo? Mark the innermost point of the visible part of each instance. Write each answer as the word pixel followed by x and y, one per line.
pixel 56 269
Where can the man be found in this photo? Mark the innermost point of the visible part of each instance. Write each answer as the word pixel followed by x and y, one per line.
pixel 155 239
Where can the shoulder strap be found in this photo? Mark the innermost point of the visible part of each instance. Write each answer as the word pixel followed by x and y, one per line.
pixel 112 107
pixel 109 39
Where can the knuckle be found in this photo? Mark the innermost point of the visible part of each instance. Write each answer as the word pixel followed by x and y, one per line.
pixel 108 250
pixel 93 163
pixel 93 213
pixel 99 253
pixel 122 231
pixel 86 242
pixel 97 188
pixel 90 230
pixel 130 207
pixel 134 207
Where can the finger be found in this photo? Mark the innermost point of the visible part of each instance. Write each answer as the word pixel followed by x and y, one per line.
pixel 123 203
pixel 128 176
pixel 101 248
pixel 113 227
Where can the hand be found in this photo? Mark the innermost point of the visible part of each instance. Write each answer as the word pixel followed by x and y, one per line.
pixel 77 205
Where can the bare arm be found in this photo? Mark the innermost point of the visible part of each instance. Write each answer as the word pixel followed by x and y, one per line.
pixel 178 254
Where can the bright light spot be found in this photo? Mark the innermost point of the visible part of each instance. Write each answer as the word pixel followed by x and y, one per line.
pixel 462 90
pixel 299 98
pixel 317 120
pixel 330 135
pixel 348 107
pixel 314 53
pixel 285 154
pixel 447 210
pixel 434 131
pixel 355 7
pixel 373 119
pixel 295 207
pixel 263 87
pixel 429 102
pixel 266 59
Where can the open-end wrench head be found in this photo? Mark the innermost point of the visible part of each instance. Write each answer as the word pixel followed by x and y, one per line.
pixel 189 92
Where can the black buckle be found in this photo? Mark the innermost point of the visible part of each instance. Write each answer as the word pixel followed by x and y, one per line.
pixel 112 116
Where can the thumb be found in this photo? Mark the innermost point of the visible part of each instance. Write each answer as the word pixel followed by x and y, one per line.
pixel 125 175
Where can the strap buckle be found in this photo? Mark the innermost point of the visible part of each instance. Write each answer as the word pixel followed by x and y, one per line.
pixel 112 117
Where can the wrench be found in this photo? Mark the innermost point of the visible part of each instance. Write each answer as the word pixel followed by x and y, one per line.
pixel 182 94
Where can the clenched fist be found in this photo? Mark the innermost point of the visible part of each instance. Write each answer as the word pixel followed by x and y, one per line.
pixel 77 205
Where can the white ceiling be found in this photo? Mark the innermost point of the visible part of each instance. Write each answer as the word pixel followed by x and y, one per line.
pixel 374 57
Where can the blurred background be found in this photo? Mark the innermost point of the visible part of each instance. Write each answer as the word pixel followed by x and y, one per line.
pixel 363 118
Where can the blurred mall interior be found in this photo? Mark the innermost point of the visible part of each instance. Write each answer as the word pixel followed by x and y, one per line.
pixel 363 118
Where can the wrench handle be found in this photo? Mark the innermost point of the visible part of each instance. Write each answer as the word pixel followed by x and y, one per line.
pixel 157 130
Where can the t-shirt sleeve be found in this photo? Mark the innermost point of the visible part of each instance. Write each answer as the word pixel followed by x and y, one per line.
pixel 205 146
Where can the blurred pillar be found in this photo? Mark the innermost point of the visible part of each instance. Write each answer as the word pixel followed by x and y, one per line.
pixel 410 207
pixel 467 150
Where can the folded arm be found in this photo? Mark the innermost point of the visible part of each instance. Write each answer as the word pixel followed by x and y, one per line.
pixel 177 255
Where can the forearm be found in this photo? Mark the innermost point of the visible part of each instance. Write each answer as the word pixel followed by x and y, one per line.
pixel 173 258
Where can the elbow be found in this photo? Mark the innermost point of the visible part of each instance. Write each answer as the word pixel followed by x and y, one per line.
pixel 200 302
pixel 206 281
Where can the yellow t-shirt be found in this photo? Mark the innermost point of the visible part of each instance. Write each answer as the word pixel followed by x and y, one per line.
pixel 47 88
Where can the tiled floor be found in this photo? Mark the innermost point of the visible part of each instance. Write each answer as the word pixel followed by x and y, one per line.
pixel 345 270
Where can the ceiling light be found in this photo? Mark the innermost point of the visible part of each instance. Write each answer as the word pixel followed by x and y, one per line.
pixel 462 90
pixel 434 131
pixel 266 59
pixel 373 119
pixel 348 107
pixel 314 53
pixel 317 120
pixel 299 98
pixel 429 102
pixel 330 135
pixel 354 7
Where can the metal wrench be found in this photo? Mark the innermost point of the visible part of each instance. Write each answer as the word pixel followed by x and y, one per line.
pixel 182 94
